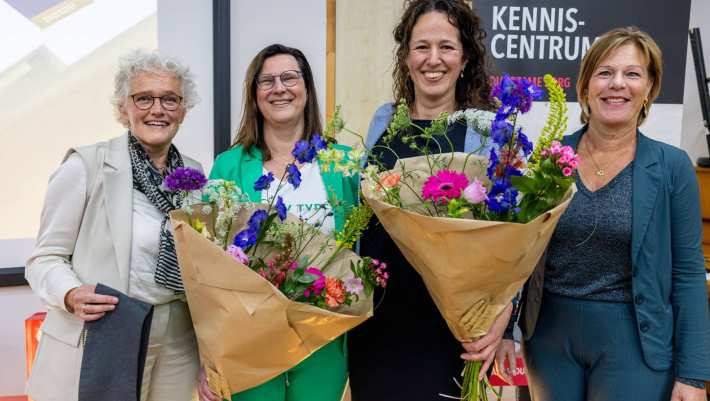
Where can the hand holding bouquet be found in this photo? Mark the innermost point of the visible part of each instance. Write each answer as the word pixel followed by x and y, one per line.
pixel 267 288
pixel 474 227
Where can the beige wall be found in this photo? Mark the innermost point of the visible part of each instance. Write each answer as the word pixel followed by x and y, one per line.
pixel 364 57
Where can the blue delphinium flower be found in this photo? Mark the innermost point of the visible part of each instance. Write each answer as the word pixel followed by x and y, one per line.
pixel 281 208
pixel 524 142
pixel 318 143
pixel 246 238
pixel 293 175
pixel 528 92
pixel 264 182
pixel 492 163
pixel 501 132
pixel 257 219
pixel 502 197
pixel 303 151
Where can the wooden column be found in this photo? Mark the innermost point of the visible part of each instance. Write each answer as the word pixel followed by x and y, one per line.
pixel 330 60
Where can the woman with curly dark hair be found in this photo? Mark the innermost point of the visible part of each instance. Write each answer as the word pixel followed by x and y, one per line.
pixel 406 351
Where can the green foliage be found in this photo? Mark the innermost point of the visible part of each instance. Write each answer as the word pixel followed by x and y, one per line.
pixel 355 224
pixel 335 124
pixel 400 121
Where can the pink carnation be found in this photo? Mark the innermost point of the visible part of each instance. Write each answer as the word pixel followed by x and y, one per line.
pixel 475 192
pixel 567 171
pixel 444 186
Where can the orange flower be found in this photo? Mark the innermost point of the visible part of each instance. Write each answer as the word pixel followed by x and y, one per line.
pixel 334 292
pixel 390 180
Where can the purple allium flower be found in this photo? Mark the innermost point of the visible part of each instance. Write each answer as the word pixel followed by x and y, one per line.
pixel 184 179
pixel 303 152
pixel 281 208
pixel 294 175
pixel 264 182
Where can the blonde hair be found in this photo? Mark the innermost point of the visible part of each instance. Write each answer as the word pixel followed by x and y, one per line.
pixel 609 42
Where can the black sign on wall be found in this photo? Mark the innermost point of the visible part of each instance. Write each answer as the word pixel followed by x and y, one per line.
pixel 537 37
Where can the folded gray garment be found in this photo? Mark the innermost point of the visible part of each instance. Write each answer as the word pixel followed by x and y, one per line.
pixel 114 350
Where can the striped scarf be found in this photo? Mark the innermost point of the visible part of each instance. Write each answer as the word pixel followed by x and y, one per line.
pixel 148 180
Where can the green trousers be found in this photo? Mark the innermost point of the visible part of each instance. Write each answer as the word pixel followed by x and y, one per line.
pixel 320 377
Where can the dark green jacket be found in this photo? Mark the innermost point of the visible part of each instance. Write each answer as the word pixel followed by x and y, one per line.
pixel 244 168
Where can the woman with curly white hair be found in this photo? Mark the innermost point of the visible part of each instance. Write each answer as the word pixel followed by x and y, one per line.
pixel 105 221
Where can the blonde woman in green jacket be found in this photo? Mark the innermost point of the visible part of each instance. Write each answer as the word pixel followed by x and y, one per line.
pixel 280 109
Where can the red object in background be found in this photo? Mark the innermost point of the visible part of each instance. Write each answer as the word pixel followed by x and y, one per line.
pixel 32 325
pixel 519 376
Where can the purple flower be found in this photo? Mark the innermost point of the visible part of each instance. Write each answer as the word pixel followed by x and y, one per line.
pixel 507 92
pixel 501 132
pixel 516 94
pixel 492 163
pixel 502 197
pixel 245 238
pixel 318 143
pixel 257 219
pixel 281 208
pixel 528 93
pixel 184 179
pixel 524 143
pixel 264 182
pixel 303 151
pixel 294 175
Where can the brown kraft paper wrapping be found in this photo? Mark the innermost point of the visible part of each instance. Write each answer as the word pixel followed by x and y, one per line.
pixel 248 332
pixel 471 268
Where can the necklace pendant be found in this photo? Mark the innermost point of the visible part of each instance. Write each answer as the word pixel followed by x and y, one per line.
pixel 600 172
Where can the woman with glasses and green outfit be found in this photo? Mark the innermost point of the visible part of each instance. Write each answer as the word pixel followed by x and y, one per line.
pixel 281 108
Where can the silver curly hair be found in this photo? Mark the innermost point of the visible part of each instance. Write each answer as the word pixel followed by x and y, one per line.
pixel 138 61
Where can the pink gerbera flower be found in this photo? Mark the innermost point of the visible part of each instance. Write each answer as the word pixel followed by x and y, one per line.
pixel 444 186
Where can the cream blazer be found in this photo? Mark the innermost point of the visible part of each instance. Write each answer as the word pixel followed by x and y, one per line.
pixel 84 238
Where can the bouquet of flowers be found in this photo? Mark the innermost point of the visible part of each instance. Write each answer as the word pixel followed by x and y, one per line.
pixel 266 289
pixel 474 227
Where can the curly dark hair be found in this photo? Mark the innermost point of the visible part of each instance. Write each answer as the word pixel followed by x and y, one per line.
pixel 473 89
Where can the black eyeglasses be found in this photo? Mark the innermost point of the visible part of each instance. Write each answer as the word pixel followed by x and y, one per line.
pixel 145 102
pixel 288 78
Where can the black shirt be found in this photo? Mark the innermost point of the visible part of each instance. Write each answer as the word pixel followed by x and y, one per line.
pixel 405 352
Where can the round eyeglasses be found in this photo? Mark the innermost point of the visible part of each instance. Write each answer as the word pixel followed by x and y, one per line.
pixel 145 102
pixel 288 78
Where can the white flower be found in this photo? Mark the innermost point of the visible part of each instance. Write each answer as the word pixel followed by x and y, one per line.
pixel 477 119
